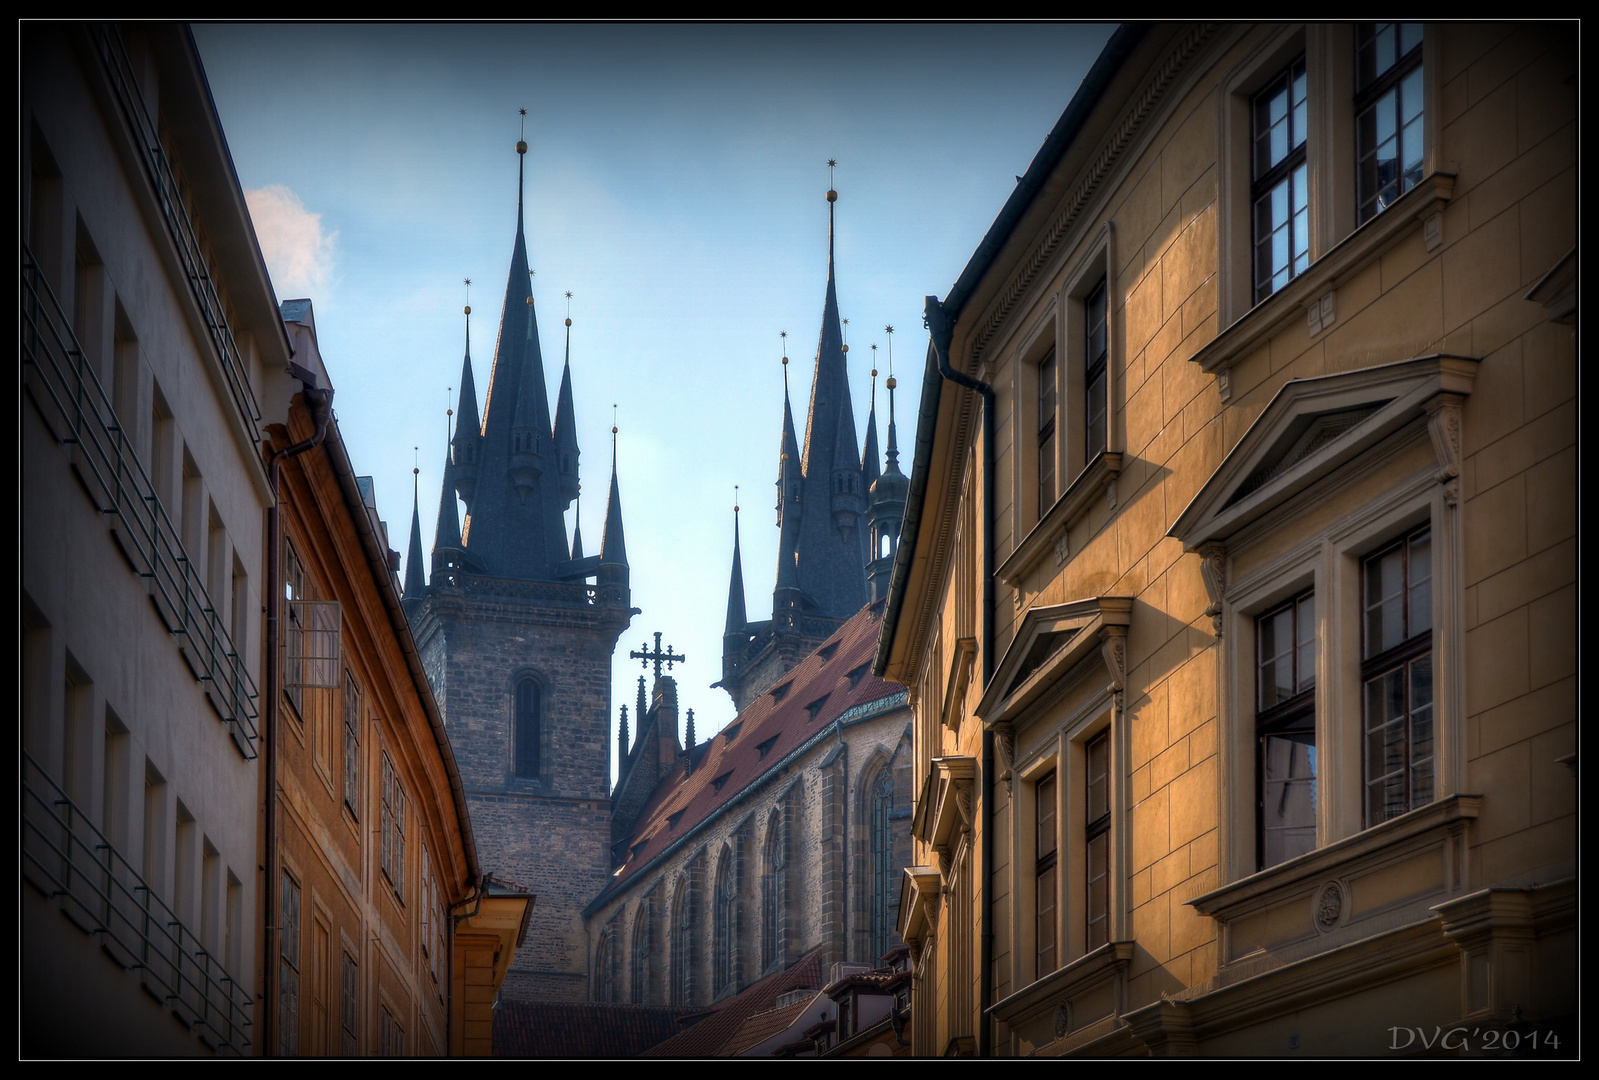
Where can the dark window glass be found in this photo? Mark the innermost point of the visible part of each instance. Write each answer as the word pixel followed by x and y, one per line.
pixel 1396 670
pixel 527 729
pixel 1095 357
pixel 350 1010
pixel 1389 113
pixel 352 746
pixel 883 870
pixel 1097 835
pixel 1285 726
pixel 1280 192
pixel 1047 846
pixel 289 969
pixel 1046 433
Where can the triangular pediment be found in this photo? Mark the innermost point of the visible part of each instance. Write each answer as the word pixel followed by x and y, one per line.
pixel 1050 642
pixel 1311 429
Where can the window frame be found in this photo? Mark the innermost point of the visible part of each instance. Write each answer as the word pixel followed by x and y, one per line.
pixel 1402 656
pixel 1264 183
pixel 1294 713
pixel 527 758
pixel 1046 807
pixel 1367 98
pixel 290 900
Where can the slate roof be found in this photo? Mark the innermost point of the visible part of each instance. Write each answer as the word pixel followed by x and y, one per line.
pixel 725 1027
pixel 825 685
pixel 566 1029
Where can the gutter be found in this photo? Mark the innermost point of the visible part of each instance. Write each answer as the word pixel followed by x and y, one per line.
pixel 940 319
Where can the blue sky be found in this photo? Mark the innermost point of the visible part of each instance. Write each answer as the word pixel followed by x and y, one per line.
pixel 675 186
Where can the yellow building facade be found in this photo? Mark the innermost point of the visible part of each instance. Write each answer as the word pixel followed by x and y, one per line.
pixel 1237 591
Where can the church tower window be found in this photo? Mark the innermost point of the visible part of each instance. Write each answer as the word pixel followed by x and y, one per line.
pixel 527 728
pixel 723 924
pixel 882 861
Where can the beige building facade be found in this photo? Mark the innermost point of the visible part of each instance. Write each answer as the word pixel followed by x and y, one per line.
pixel 1237 587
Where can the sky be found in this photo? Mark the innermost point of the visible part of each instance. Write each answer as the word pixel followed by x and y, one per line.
pixel 676 180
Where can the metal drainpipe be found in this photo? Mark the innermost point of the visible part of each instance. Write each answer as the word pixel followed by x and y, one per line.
pixel 941 329
pixel 320 402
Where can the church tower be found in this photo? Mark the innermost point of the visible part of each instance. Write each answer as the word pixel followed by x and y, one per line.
pixel 516 633
pixel 827 523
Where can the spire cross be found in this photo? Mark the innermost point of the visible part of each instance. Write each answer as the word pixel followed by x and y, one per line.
pixel 645 654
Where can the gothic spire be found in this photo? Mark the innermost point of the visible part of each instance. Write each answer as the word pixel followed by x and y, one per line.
pixel 737 612
pixel 565 435
pixel 415 583
pixel 613 549
pixel 621 739
pixel 447 531
pixel 870 469
pixel 577 533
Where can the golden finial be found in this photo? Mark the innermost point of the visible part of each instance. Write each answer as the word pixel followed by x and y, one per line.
pixel 845 346
pixel 569 307
pixel 874 359
pixel 468 309
pixel 735 498
pixel 521 143
pixel 832 163
pixel 784 335
pixel 613 419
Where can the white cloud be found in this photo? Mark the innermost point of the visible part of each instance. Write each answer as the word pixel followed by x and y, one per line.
pixel 299 255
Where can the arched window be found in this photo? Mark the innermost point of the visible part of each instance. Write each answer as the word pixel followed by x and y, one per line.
pixel 639 963
pixel 604 958
pixel 527 728
pixel 682 946
pixel 771 873
pixel 881 809
pixel 723 924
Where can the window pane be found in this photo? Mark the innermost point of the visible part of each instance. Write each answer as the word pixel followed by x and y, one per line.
pixel 1288 795
pixel 1098 891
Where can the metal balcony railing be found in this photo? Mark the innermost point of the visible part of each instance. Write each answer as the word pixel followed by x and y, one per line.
pixel 185 240
pixel 67 859
pixel 75 407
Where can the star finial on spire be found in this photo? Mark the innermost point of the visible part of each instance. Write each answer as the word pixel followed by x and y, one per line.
pixel 735 498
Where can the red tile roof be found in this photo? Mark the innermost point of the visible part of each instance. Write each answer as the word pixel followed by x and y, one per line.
pixel 724 1026
pixel 819 690
pixel 566 1029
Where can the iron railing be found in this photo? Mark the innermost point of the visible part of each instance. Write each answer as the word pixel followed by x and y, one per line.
pixel 69 860
pixel 185 240
pixel 75 407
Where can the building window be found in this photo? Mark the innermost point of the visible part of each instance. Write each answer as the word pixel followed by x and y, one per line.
pixel 1044 874
pixel 770 874
pixel 723 924
pixel 1285 723
pixel 1396 671
pixel 683 947
pixel 1096 353
pixel 1046 433
pixel 883 870
pixel 350 1010
pixel 527 728
pixel 643 942
pixel 352 746
pixel 604 957
pixel 391 1036
pixel 393 829
pixel 293 627
pixel 1389 113
pixel 1280 193
pixel 1096 834
pixel 289 969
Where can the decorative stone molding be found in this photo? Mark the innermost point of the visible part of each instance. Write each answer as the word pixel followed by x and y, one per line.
pixel 1070 1006
pixel 1346 258
pixel 1320 314
pixel 1050 533
pixel 1164 1028
pixel 952 807
pixel 1213 569
pixel 1496 931
pixel 918 908
pixel 1005 739
pixel 1329 907
pixel 1051 642
pixel 1443 424
pixel 1114 650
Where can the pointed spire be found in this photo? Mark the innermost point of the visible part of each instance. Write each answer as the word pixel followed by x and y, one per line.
pixel 688 733
pixel 643 706
pixel 577 533
pixel 447 532
pixel 415 584
pixel 737 612
pixel 621 738
pixel 464 444
pixel 565 434
pixel 870 469
pixel 613 549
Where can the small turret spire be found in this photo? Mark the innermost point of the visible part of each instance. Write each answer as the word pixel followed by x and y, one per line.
pixel 415 583
pixel 621 739
pixel 688 733
pixel 613 548
pixel 565 434
pixel 737 611
pixel 643 703
pixel 870 469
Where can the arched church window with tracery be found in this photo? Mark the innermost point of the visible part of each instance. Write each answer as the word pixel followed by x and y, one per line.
pixel 639 962
pixel 527 728
pixel 723 924
pixel 881 823
pixel 683 946
pixel 604 959
pixel 770 874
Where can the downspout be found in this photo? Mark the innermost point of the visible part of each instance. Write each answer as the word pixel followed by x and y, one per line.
pixel 320 404
pixel 941 329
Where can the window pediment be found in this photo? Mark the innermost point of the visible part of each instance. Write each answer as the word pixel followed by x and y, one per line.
pixel 1311 429
pixel 1051 642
